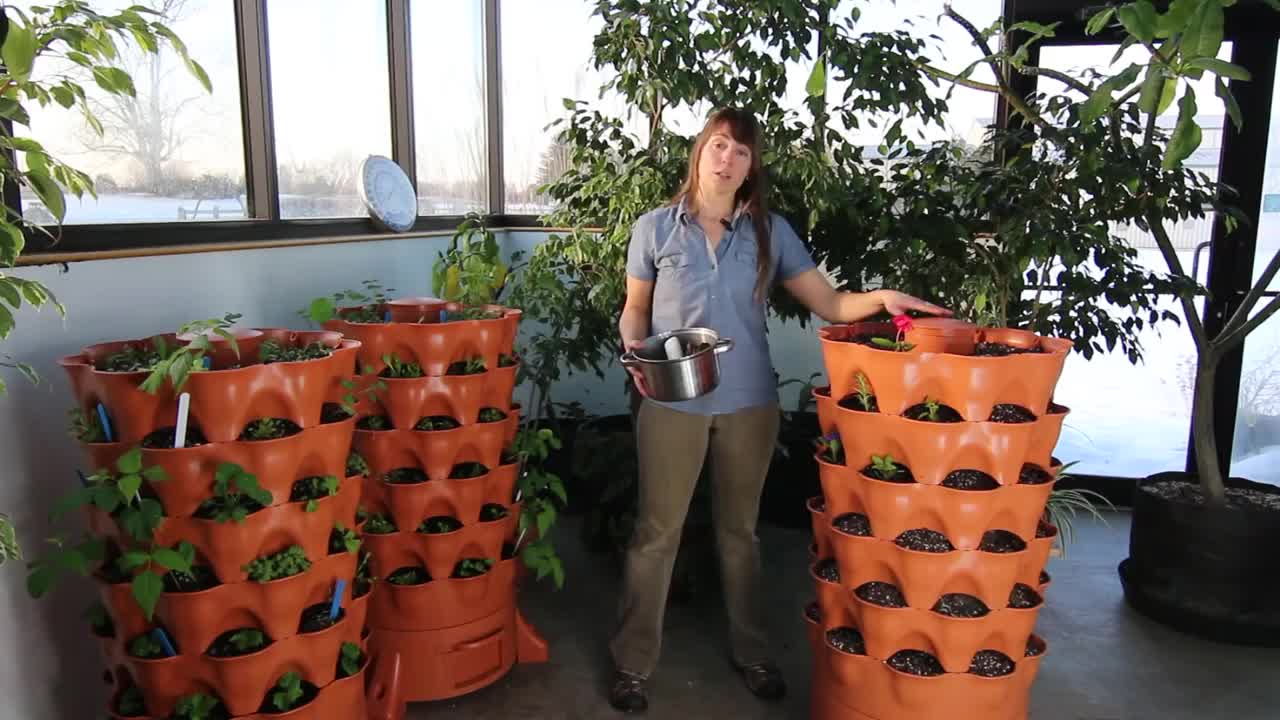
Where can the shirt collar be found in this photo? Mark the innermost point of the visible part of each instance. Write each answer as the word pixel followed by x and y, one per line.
pixel 682 212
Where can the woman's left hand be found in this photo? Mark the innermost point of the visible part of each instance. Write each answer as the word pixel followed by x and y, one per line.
pixel 897 303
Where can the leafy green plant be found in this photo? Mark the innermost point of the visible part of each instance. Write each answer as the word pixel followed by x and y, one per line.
pixel 146 647
pixel 356 464
pixel 472 567
pixel 350 305
pixel 182 360
pixel 866 398
pixel 439 524
pixel 199 706
pixel 287 693
pixel 1066 503
pixel 130 703
pixel 269 429
pixel 83 429
pixel 830 448
pixel 471 272
pixel 343 539
pixel 397 368
pixel 236 495
pixel 311 489
pixel 490 415
pixel 471 366
pixel 135 357
pixel 93 41
pixel 374 422
pixel 463 471
pixel 931 408
pixel 492 511
pixel 436 422
pixel 539 490
pixel 409 576
pixel 286 563
pixel 350 659
pixel 100 620
pixel 379 524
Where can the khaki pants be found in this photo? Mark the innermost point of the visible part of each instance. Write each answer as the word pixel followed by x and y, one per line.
pixel 671 447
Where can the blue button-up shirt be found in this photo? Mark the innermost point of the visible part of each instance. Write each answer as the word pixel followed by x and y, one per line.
pixel 695 286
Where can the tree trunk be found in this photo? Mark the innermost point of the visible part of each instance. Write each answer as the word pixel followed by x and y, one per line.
pixel 1203 437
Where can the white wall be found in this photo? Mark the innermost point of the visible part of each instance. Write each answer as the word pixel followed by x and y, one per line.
pixel 49 667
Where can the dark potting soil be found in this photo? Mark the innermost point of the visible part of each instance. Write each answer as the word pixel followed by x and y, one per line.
pixel 440 524
pixel 1033 475
pixel 1044 578
pixel 316 618
pixel 991 663
pixel 945 414
pixel 491 512
pixel 1001 541
pixel 491 414
pixel 961 605
pixel 1056 409
pixel 1006 413
pixel 847 639
pixel 472 567
pixel 924 540
pixel 338 541
pixel 200 578
pixel 1192 494
pixel 508 550
pixel 374 422
pixel 1043 531
pixel 991 349
pixel 854 402
pixel 813 611
pixel 881 593
pixel 166 436
pixel 868 339
pixel 332 413
pixel 902 474
pixel 463 471
pixel 915 662
pixel 409 576
pixel 828 570
pixel 853 524
pixel 241 641
pixel 1034 649
pixel 436 422
pixel 308 488
pixel 821 504
pixel 406 476
pixel 130 703
pixel 969 480
pixel 209 509
pixel 1023 597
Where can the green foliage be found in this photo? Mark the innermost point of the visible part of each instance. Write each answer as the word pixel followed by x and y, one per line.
pixel 472 567
pixel 397 368
pixel 885 465
pixel 350 305
pixel 432 423
pixel 349 660
pixel 311 489
pixel 272 351
pixel 287 693
pixel 248 640
pixel 471 272
pixel 83 429
pixel 379 524
pixel 130 703
pixel 269 429
pixel 356 464
pixel 135 357
pixel 491 414
pixel 439 524
pixel 343 539
pixel 236 495
pixel 830 449
pixel 492 511
pixel 539 490
pixel 470 366
pixel 286 563
pixel 866 398
pixel 198 706
pixel 146 647
pixel 183 360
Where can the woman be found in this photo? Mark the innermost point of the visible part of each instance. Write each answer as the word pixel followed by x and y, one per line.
pixel 708 260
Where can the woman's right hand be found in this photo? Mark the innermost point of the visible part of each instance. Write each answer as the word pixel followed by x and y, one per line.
pixel 637 377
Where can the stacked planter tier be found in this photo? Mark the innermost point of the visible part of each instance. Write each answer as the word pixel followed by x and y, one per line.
pixel 222 403
pixel 878 656
pixel 450 635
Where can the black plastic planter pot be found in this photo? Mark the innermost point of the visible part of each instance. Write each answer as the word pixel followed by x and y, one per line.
pixel 1207 571
pixel 793 478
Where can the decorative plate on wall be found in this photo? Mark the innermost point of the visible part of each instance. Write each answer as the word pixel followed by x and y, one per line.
pixel 388 194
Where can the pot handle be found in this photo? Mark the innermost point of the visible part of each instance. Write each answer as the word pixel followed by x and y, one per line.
pixel 629 359
pixel 724 345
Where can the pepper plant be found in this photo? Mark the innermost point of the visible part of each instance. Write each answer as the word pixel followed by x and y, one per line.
pixel 472 271
pixel 92 41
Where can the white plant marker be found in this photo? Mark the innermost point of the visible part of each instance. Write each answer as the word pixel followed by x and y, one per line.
pixel 184 407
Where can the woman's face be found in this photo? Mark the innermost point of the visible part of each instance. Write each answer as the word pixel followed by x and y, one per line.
pixel 724 164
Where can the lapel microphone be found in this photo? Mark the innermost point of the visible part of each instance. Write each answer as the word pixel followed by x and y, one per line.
pixel 725 222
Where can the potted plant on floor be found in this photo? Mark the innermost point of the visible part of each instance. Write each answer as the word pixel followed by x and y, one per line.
pixel 221 516
pixel 929 534
pixel 1191 562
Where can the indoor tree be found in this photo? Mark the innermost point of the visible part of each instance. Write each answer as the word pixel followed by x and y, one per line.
pixel 51 53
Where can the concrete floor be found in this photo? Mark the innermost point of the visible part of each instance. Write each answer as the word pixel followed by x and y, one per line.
pixel 1105 662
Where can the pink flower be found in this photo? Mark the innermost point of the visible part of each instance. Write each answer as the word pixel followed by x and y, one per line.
pixel 903 323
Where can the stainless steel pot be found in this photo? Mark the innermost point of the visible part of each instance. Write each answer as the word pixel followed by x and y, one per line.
pixel 693 375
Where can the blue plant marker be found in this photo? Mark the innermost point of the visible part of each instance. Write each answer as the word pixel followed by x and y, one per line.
pixel 337 599
pixel 386 317
pixel 106 424
pixel 444 316
pixel 159 636
pixel 208 362
pixel 83 480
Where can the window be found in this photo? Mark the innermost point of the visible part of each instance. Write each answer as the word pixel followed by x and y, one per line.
pixel 330 96
pixel 1134 420
pixel 452 144
pixel 173 152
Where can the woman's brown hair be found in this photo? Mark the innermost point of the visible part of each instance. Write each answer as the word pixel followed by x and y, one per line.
pixel 743 128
